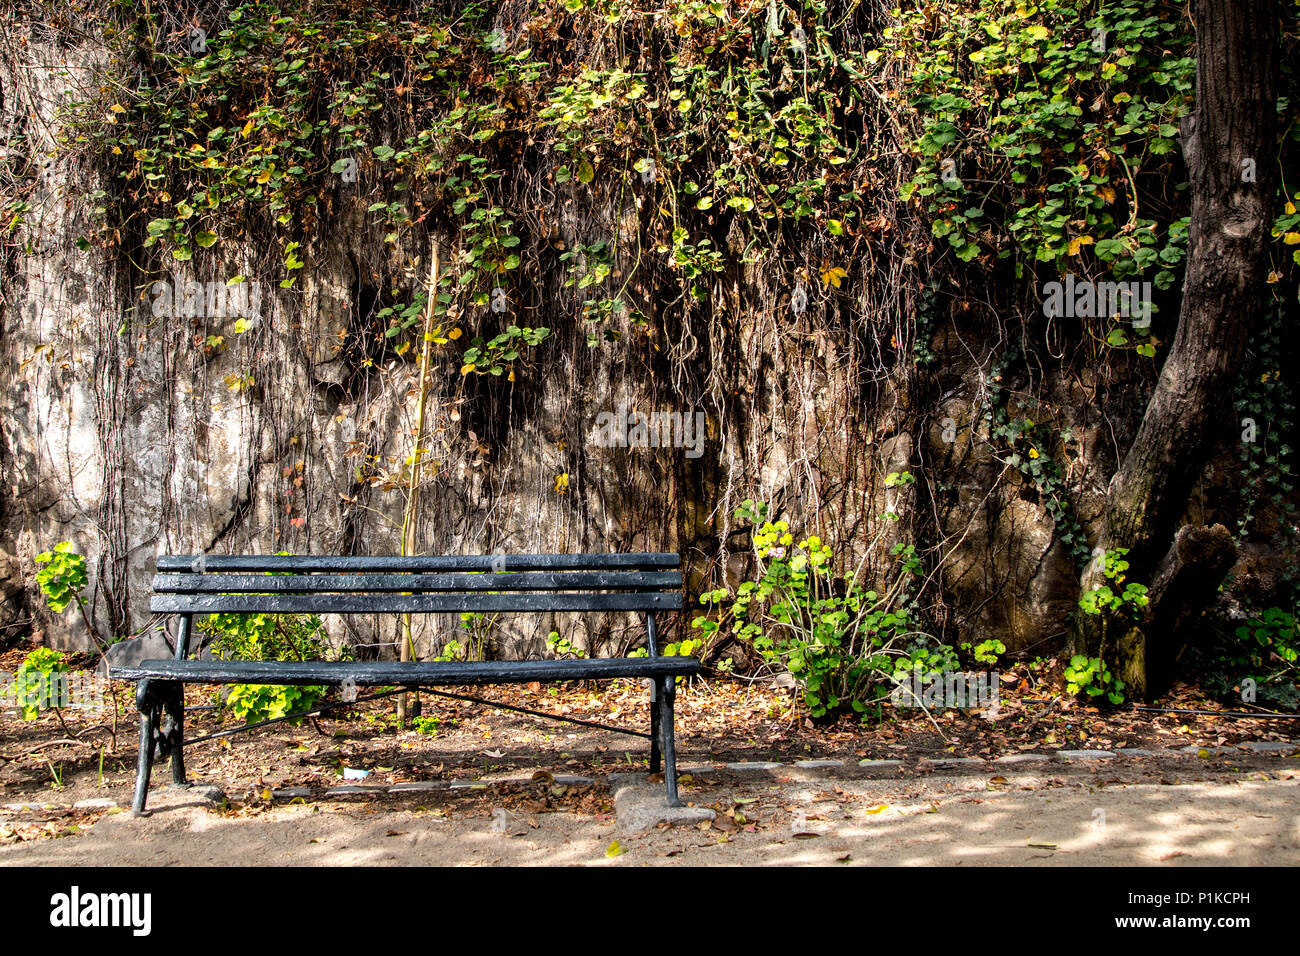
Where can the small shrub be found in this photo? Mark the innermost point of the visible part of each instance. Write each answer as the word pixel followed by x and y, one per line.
pixel 426 725
pixel 1105 599
pixel 62 577
pixel 562 646
pixel 850 646
pixel 268 637
pixel 1091 676
pixel 985 652
pixel 36 682
pixel 1265 650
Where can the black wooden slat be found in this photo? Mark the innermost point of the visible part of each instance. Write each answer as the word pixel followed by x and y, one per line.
pixel 430 673
pixel 307 563
pixel 312 583
pixel 409 603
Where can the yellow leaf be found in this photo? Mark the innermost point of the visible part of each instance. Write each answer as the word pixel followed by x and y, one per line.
pixel 248 128
pixel 1033 453
pixel 264 176
pixel 454 334
pixel 1079 241
pixel 613 850
pixel 402 349
pixel 1106 193
pixel 467 368
pixel 834 276
pixel 878 808
pixel 118 108
pixel 1290 209
pixel 1291 238
pixel 562 483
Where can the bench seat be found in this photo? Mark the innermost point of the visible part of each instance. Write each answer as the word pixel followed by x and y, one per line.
pixel 409 674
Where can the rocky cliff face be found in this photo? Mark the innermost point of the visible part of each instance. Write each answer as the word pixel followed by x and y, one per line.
pixel 155 406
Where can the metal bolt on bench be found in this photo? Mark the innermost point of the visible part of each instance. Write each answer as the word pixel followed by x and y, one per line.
pixel 320 584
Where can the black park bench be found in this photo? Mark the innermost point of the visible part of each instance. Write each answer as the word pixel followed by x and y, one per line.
pixel 187 586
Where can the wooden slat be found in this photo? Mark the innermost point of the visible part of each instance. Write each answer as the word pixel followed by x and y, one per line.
pixel 380 673
pixel 409 603
pixel 324 563
pixel 380 583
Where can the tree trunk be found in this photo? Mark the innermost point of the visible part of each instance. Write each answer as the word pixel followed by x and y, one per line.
pixel 1184 584
pixel 1230 144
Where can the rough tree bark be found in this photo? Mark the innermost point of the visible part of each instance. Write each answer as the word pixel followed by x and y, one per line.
pixel 1230 144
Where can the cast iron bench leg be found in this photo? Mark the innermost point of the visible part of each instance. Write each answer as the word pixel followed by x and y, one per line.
pixel 655 697
pixel 144 702
pixel 670 756
pixel 175 704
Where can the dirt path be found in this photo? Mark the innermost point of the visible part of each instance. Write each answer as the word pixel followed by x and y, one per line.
pixel 1047 783
pixel 1241 817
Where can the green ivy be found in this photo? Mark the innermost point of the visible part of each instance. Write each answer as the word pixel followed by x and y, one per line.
pixel 1028 446
pixel 1065 105
pixel 1265 417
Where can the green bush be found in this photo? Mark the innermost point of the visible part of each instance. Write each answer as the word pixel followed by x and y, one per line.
pixel 62 577
pixel 35 682
pixel 268 637
pixel 1091 676
pixel 1273 642
pixel 1103 598
pixel 850 646
pixel 1264 649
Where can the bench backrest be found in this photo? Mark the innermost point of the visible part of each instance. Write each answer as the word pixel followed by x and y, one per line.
pixel 340 584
